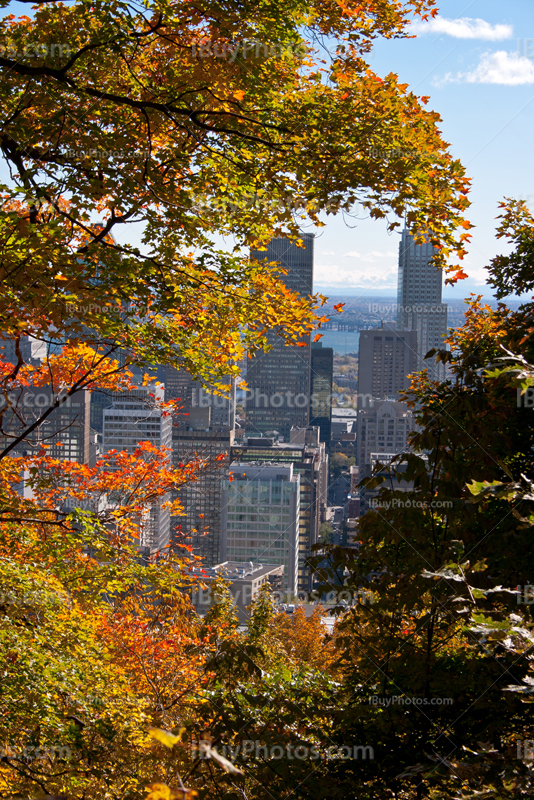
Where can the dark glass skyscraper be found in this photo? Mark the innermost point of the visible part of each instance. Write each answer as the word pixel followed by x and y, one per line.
pixel 322 371
pixel 278 396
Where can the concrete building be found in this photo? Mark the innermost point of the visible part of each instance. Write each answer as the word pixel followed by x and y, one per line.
pixel 31 350
pixel 193 440
pixel 369 498
pixel 310 460
pixel 260 517
pixel 382 430
pixel 322 370
pixel 419 300
pixel 245 582
pixel 278 396
pixel 65 430
pixel 386 357
pixel 134 417
pixel 194 396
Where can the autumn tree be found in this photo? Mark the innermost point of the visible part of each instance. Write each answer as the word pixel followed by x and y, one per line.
pixel 338 464
pixel 438 669
pixel 174 123
pixel 132 139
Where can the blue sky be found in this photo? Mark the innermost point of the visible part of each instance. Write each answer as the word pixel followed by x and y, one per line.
pixel 477 64
pixel 476 61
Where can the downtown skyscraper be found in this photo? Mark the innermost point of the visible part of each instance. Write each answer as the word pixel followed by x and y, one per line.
pixel 419 305
pixel 278 396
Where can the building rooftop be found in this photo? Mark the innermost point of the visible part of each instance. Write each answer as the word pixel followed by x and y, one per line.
pixel 344 413
pixel 239 570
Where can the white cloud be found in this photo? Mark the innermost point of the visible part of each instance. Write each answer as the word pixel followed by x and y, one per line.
pixel 360 275
pixel 327 252
pixel 464 28
pixel 371 256
pixel 508 69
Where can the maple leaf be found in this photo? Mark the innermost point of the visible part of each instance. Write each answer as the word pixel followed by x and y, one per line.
pixel 166 738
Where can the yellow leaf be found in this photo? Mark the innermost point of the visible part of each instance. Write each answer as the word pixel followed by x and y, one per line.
pixel 166 738
pixel 159 791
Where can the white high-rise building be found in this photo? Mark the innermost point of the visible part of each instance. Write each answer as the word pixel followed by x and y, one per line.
pixel 419 306
pixel 261 508
pixel 32 350
pixel 134 417
pixel 383 431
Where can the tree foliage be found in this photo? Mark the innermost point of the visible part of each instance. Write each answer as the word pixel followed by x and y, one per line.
pixel 130 147
pixel 139 117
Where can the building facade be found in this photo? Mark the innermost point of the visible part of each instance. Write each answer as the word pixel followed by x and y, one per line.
pixel 65 430
pixel 383 430
pixel 200 525
pixel 179 384
pixel 310 461
pixel 278 396
pixel 322 371
pixel 419 300
pixel 260 517
pixel 134 417
pixel 246 580
pixel 386 357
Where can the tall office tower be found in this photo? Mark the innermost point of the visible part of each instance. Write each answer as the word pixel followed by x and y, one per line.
pixel 279 379
pixel 191 440
pixel 261 517
pixel 32 350
pixel 309 459
pixel 386 357
pixel 322 371
pixel 65 430
pixel 382 431
pixel 193 395
pixel 419 306
pixel 134 417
